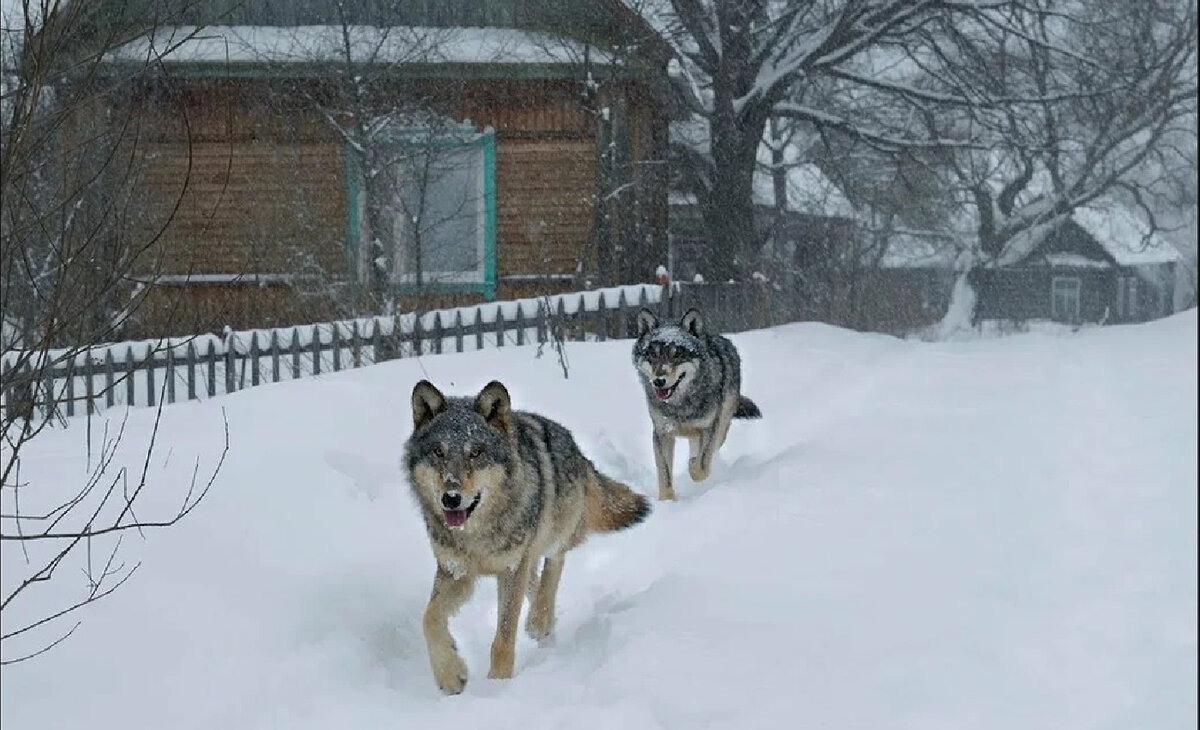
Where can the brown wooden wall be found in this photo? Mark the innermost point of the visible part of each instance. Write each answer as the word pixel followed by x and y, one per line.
pixel 249 177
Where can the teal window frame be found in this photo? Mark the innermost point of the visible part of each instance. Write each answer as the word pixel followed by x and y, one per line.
pixel 420 138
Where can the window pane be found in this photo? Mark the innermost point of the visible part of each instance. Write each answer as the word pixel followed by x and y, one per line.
pixel 441 202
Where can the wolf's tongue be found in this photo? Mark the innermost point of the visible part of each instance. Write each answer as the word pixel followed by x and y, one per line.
pixel 455 517
pixel 662 393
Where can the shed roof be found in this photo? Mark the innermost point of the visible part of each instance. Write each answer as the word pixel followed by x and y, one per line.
pixel 1124 236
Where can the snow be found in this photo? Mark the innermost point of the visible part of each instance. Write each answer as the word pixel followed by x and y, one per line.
pixel 1125 237
pixel 1075 261
pixel 916 251
pixel 325 43
pixel 989 534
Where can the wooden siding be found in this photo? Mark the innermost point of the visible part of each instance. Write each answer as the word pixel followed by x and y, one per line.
pixel 247 207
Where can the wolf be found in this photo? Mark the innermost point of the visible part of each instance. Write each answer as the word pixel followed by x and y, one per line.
pixel 693 379
pixel 500 490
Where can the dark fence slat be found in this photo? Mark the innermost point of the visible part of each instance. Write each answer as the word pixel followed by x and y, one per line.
pixel 148 364
pixel 274 356
pixel 336 346
pixel 89 392
pixel 315 347
pixel 478 328
pixel 191 370
pixel 255 378
pixel 437 333
pixel 130 399
pixel 295 350
pixel 212 368
pixel 70 385
pixel 355 345
pixel 499 324
pixel 110 397
pixel 458 331
pixel 170 373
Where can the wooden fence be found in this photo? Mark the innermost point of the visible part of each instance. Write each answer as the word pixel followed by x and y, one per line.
pixel 148 373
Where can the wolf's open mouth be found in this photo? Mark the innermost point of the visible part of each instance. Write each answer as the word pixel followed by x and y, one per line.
pixel 665 393
pixel 458 517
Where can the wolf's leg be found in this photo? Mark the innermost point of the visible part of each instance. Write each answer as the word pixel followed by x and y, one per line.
pixel 664 459
pixel 696 448
pixel 511 585
pixel 540 623
pixel 449 594
pixel 713 437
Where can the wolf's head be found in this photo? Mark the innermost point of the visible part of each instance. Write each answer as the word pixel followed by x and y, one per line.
pixel 667 356
pixel 459 451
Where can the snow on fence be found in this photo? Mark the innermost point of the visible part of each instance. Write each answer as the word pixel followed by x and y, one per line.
pixel 153 372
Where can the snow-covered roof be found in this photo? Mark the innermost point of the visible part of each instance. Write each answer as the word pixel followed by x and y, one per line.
pixel 1075 261
pixel 809 190
pixel 325 44
pixel 1125 237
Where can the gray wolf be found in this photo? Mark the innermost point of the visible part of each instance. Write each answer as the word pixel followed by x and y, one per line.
pixel 693 379
pixel 500 490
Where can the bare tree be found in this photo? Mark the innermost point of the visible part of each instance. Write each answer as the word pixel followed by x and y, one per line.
pixel 74 244
pixel 746 61
pixel 1082 99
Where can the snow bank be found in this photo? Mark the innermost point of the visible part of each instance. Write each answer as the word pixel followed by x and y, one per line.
pixel 991 534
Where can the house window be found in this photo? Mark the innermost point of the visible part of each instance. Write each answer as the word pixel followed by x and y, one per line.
pixel 1064 298
pixel 437 211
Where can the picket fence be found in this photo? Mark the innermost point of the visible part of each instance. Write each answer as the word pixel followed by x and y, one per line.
pixel 153 372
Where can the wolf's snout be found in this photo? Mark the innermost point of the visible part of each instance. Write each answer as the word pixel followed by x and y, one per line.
pixel 451 499
pixel 659 382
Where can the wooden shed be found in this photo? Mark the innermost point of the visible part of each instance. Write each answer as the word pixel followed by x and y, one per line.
pixel 528 112
pixel 1099 265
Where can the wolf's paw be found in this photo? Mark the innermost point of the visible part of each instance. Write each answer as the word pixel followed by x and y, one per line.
pixel 666 494
pixel 696 470
pixel 540 629
pixel 450 673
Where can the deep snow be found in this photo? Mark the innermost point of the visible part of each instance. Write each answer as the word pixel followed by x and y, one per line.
pixel 987 534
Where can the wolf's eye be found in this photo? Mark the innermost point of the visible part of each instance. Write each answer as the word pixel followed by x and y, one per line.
pixel 439 451
pixel 474 450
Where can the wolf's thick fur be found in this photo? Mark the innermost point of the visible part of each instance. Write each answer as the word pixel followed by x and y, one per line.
pixel 500 490
pixel 693 379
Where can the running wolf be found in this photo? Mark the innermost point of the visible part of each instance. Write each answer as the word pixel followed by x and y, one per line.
pixel 692 379
pixel 500 490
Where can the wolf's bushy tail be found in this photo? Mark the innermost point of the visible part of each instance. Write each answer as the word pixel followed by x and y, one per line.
pixel 746 408
pixel 613 506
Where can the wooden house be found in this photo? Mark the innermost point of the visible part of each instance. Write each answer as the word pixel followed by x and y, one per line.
pixel 544 120
pixel 1099 265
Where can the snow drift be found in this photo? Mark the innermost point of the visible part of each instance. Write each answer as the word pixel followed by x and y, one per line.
pixel 988 534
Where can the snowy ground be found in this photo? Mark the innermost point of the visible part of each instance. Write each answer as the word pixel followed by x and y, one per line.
pixel 989 534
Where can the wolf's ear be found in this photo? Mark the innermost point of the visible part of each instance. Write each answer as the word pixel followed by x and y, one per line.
pixel 646 321
pixel 427 402
pixel 494 405
pixel 692 323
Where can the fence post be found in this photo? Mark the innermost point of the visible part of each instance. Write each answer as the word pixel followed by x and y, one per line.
pixel 295 351
pixel 130 393
pixel 255 378
pixel 148 363
pixel 355 344
pixel 416 335
pixel 191 369
pixel 560 321
pixel 274 356
pixel 520 322
pixel 315 348
pixel 478 328
pixel 88 391
pixel 458 331
pixel 335 335
pixel 211 362
pixel 499 326
pixel 170 376
pixel 602 318
pixel 437 333
pixel 230 363
pixel 109 379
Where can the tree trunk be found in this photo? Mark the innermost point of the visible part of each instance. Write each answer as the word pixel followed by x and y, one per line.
pixel 729 212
